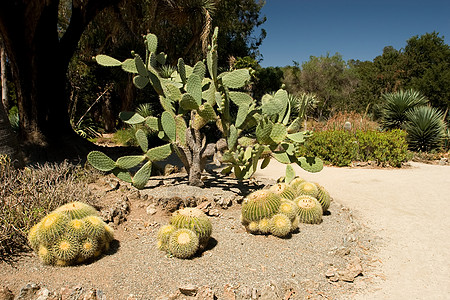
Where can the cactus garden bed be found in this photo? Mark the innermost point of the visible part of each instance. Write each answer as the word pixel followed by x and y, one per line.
pixel 330 260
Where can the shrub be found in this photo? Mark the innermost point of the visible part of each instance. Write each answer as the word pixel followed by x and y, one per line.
pixel 337 121
pixel 340 148
pixel 28 195
pixel 425 128
pixel 396 105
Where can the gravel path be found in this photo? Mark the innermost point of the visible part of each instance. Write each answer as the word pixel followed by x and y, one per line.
pixel 408 209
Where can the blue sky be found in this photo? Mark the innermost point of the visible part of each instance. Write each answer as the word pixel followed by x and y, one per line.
pixel 297 29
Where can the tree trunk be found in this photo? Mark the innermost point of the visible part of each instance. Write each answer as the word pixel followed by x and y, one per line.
pixel 39 60
pixel 3 75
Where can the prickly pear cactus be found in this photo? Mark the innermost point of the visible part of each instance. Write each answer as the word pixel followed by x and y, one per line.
pixel 71 234
pixel 192 101
pixel 188 232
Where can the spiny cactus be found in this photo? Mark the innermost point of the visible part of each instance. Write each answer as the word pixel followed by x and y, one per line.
pixel 280 225
pixel 260 204
pixel 323 197
pixel 288 208
pixel 72 233
pixel 284 190
pixel 194 219
pixel 183 243
pixel 308 188
pixel 188 232
pixel 310 210
pixel 294 184
pixel 191 99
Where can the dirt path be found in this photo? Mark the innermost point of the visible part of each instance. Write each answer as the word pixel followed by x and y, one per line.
pixel 408 208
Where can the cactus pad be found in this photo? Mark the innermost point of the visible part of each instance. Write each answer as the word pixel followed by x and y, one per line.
pixel 183 243
pixel 101 161
pixel 310 210
pixel 260 204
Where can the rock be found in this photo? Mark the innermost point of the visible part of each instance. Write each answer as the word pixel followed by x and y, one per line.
pixel 28 292
pixel 135 195
pixel 205 293
pixel 5 293
pixel 151 210
pixel 353 270
pixel 443 161
pixel 331 272
pixel 255 293
pixel 229 292
pixel 269 292
pixel 188 289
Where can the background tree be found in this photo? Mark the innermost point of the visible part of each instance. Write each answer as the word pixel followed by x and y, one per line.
pixel 39 59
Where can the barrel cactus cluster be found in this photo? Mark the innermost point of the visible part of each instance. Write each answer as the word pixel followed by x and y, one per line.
pixel 187 233
pixel 71 234
pixel 279 209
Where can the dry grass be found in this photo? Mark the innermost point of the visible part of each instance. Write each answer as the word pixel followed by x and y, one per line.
pixel 29 194
pixel 336 122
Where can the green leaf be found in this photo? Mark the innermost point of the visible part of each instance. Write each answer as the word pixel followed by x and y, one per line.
pixel 107 61
pixel 131 118
pixel 101 161
pixel 128 162
pixel 290 174
pixel 142 140
pixel 142 176
pixel 159 153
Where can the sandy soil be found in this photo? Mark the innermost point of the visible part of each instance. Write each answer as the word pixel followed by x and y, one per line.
pixel 408 208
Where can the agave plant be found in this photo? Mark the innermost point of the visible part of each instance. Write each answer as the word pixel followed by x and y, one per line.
pixel 426 128
pixel 396 106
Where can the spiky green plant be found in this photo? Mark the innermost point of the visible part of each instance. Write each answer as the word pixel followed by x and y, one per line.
pixel 280 225
pixel 308 188
pixel 194 219
pixel 260 204
pixel 264 226
pixel 295 183
pixel 69 235
pixel 425 128
pixel 191 98
pixel 288 208
pixel 323 197
pixel 183 243
pixel 163 236
pixel 284 190
pixel 397 104
pixel 310 211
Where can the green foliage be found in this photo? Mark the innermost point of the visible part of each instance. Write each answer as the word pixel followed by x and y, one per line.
pixel 397 105
pixel 73 233
pixel 341 148
pixel 425 128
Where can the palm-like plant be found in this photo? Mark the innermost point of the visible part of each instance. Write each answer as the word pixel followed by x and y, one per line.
pixel 396 106
pixel 425 127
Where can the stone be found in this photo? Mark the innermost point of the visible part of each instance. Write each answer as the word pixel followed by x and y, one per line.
pixel 229 292
pixel 151 210
pixel 5 293
pixel 205 293
pixel 188 289
pixel 28 292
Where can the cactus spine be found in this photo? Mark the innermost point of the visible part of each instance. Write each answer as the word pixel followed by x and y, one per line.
pixel 280 225
pixel 183 243
pixel 310 210
pixel 260 204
